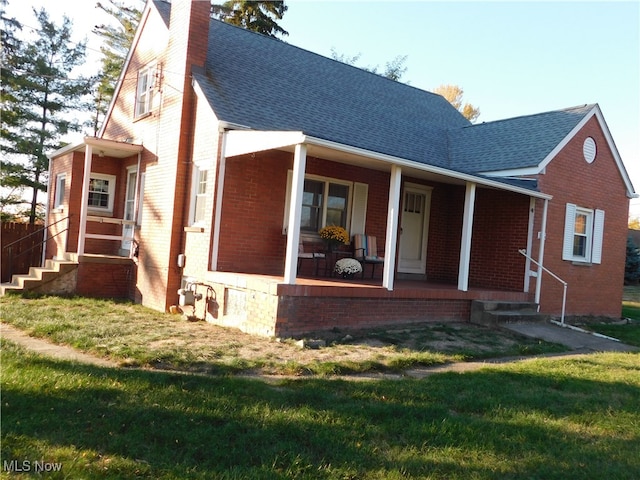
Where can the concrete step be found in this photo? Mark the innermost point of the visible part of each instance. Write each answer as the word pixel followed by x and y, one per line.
pixel 515 316
pixel 38 276
pixel 493 313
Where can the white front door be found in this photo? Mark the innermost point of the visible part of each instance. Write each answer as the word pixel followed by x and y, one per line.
pixel 414 229
pixel 129 209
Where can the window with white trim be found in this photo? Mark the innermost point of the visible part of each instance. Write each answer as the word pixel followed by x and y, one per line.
pixel 324 202
pixel 199 195
pixel 58 198
pixel 101 192
pixel 329 201
pixel 583 234
pixel 144 90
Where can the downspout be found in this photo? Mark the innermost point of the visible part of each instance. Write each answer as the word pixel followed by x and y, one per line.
pixel 543 236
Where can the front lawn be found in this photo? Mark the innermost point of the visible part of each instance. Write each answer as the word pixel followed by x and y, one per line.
pixel 545 418
pixel 629 332
pixel 133 335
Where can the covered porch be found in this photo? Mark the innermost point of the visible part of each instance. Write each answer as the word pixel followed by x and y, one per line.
pixel 95 192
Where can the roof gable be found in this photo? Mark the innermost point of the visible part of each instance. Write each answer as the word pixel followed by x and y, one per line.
pixel 525 145
pixel 516 143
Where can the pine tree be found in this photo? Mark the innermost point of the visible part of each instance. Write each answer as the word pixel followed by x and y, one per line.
pixel 37 92
pixel 632 264
pixel 257 16
pixel 116 41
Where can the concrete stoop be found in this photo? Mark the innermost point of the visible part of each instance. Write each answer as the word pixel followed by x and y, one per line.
pixel 57 276
pixel 492 313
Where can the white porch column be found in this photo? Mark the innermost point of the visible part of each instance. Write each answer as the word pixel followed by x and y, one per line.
pixel 217 219
pixel 527 263
pixel 467 230
pixel 392 228
pixel 295 212
pixel 84 206
pixel 543 236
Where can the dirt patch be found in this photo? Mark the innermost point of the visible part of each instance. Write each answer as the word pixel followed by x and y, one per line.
pixel 435 343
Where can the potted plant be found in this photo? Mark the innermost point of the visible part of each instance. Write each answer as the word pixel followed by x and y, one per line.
pixel 347 267
pixel 334 236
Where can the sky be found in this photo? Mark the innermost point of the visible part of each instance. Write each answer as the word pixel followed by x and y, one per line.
pixel 511 58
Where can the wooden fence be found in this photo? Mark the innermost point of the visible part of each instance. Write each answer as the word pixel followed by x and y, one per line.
pixel 18 257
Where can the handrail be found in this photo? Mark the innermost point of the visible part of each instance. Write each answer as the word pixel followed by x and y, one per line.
pixel 564 284
pixel 40 230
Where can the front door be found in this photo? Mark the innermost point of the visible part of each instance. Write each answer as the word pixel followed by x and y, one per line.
pixel 129 209
pixel 414 229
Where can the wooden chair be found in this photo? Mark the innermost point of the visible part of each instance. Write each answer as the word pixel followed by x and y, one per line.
pixel 315 256
pixel 365 250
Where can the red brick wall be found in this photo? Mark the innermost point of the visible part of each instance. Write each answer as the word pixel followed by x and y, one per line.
pixel 500 227
pixel 593 289
pixel 105 280
pixel 298 315
pixel 251 239
pixel 445 230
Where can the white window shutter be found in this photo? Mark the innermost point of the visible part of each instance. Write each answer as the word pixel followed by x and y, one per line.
pixel 569 230
pixel 598 233
pixel 287 201
pixel 359 208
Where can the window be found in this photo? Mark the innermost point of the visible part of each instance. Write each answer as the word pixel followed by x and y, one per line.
pixel 101 191
pixel 199 200
pixel 144 92
pixel 324 202
pixel 583 233
pixel 328 201
pixel 58 199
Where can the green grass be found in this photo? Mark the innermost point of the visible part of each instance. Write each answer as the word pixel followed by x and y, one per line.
pixel 628 333
pixel 133 335
pixel 538 419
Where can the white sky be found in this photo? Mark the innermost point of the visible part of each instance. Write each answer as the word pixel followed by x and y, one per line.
pixel 511 58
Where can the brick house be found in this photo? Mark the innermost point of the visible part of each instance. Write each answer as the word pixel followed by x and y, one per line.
pixel 223 150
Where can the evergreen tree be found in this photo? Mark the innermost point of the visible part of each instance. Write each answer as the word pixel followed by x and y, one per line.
pixel 38 91
pixel 116 41
pixel 257 16
pixel 632 264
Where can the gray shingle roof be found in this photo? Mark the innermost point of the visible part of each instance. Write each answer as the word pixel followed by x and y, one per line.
pixel 514 143
pixel 267 84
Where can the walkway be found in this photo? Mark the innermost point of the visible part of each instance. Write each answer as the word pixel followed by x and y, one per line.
pixel 579 342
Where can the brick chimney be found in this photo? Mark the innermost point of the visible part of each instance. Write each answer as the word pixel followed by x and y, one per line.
pixel 189 30
pixel 167 182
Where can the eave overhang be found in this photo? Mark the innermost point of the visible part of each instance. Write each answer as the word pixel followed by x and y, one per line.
pixel 242 142
pixel 102 147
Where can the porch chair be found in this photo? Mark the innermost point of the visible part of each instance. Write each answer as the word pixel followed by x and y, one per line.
pixel 315 256
pixel 365 250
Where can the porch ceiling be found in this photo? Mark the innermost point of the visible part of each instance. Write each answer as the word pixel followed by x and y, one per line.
pixel 101 147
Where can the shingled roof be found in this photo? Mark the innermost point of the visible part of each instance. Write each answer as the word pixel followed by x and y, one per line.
pixel 515 143
pixel 266 84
